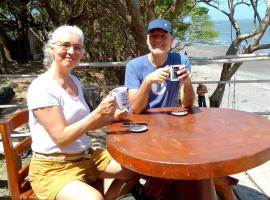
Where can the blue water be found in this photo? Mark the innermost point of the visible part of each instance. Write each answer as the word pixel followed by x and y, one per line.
pixel 226 33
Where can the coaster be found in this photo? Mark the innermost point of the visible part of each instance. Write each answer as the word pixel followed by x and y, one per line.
pixel 179 113
pixel 137 128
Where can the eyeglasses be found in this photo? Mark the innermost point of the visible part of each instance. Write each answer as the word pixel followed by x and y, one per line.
pixel 67 45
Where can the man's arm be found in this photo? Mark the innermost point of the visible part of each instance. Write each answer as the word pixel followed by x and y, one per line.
pixel 198 90
pixel 138 98
pixel 186 91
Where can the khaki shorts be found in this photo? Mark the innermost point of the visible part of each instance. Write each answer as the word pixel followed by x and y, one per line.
pixel 47 177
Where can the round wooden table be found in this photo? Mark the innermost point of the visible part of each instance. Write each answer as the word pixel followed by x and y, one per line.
pixel 206 143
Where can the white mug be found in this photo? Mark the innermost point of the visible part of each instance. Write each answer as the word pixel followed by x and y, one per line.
pixel 173 72
pixel 121 97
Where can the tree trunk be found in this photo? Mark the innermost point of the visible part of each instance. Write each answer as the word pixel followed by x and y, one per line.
pixel 216 97
pixel 5 56
pixel 228 71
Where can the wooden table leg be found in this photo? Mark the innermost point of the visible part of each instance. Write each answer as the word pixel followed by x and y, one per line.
pixel 197 189
pixel 224 187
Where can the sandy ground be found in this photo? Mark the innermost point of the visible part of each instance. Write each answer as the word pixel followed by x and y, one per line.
pixel 251 97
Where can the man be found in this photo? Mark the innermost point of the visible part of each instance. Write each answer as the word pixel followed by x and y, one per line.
pixel 145 72
pixel 201 90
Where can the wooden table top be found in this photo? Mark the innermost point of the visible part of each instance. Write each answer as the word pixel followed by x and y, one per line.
pixel 207 143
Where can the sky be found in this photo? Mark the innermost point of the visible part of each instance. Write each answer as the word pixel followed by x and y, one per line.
pixel 242 12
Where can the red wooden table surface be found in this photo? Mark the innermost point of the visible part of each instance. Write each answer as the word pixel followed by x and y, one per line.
pixel 207 143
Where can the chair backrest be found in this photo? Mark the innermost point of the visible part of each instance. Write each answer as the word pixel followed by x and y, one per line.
pixel 17 173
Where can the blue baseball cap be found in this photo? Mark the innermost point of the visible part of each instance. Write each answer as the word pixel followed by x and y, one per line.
pixel 160 23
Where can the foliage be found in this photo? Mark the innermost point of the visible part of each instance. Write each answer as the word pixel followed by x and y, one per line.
pixel 201 26
pixel 109 36
pixel 191 23
pixel 114 30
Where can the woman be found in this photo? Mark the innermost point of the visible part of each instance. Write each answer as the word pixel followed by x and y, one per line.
pixel 63 161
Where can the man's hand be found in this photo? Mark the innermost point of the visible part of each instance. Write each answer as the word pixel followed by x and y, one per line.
pixel 183 73
pixel 159 75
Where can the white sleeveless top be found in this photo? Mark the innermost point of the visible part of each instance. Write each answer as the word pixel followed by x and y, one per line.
pixel 45 92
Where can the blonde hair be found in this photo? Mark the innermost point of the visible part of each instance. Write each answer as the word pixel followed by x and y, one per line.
pixel 54 37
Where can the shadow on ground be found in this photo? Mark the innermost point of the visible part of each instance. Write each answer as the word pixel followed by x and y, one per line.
pixel 247 193
pixel 3 190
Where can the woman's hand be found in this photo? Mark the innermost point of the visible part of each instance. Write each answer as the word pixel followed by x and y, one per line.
pixel 120 115
pixel 107 109
pixel 107 106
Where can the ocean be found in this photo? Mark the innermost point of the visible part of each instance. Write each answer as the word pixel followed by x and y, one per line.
pixel 226 32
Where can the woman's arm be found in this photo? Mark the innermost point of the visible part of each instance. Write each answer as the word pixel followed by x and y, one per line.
pixel 52 119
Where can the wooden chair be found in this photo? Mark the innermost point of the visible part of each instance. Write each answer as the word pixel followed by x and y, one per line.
pixel 19 186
